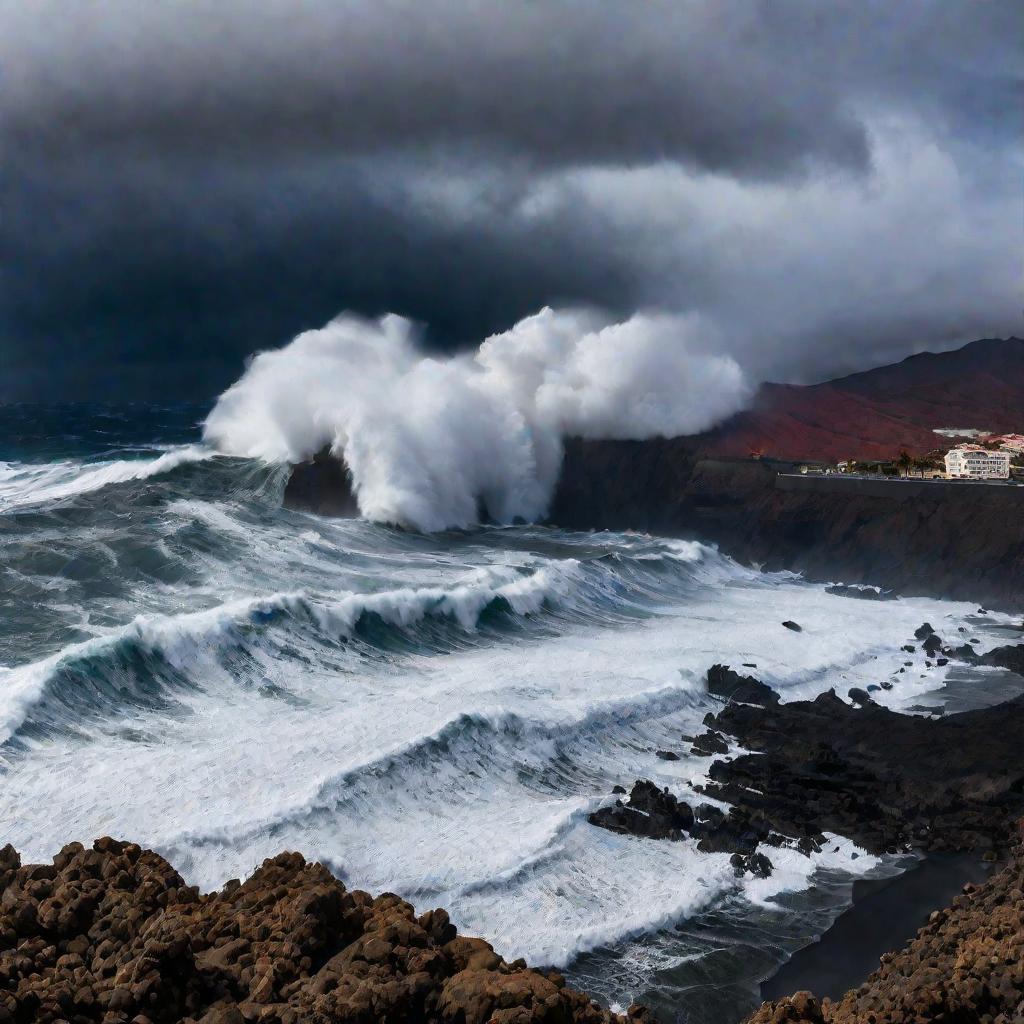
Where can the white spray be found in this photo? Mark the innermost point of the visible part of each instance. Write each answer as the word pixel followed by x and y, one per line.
pixel 429 440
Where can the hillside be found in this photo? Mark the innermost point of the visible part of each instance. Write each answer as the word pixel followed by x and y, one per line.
pixel 876 413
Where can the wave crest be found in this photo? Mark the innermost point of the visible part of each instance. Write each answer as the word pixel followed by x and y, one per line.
pixel 25 484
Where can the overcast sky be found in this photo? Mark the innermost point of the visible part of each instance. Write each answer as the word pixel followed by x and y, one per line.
pixel 830 184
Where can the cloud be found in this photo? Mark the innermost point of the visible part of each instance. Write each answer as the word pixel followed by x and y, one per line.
pixel 187 183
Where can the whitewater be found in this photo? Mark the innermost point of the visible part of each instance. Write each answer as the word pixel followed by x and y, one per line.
pixel 185 663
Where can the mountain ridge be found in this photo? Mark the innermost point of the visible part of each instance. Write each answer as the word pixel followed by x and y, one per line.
pixel 877 413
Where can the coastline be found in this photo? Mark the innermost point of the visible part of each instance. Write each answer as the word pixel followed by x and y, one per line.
pixel 884 914
pixel 964 963
pixel 53 916
pixel 935 541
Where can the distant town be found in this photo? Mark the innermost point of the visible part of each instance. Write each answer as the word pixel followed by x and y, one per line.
pixel 985 456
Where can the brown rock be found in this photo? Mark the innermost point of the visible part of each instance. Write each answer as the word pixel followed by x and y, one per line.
pixel 113 935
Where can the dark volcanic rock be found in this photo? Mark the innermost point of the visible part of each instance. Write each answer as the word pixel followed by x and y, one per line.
pixel 650 811
pixel 756 864
pixel 739 831
pixel 965 965
pixel 114 935
pixel 709 743
pixel 861 593
pixel 667 755
pixel 924 630
pixel 1010 657
pixel 729 685
pixel 795 626
pixel 918 538
pixel 888 781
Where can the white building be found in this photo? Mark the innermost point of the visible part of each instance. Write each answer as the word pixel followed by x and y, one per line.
pixel 972 462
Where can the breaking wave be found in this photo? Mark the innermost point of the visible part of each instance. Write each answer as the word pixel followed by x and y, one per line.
pixel 431 442
pixel 26 484
pixel 154 660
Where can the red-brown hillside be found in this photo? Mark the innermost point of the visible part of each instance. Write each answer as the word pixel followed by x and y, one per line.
pixel 877 413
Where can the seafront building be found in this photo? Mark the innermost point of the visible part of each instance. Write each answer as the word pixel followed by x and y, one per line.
pixel 972 462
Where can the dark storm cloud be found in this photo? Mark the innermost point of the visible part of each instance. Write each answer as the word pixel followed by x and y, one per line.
pixel 186 182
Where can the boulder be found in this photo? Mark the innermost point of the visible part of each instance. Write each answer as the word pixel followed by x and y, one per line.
pixel 651 812
pixel 723 682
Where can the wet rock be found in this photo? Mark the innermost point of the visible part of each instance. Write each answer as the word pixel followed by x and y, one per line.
pixel 861 593
pixel 739 831
pixel 886 780
pixel 1010 657
pixel 794 626
pixel 729 685
pixel 923 631
pixel 859 696
pixel 909 648
pixel 667 755
pixel 756 864
pixel 650 811
pixel 709 743
pixel 932 645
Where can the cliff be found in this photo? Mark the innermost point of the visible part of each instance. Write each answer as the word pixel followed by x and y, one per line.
pixel 963 541
pixel 956 540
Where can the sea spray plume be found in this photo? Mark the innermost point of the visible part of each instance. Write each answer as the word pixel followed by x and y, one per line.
pixel 430 442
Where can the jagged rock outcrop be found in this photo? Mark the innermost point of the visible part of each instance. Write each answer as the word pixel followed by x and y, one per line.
pixel 965 965
pixel 112 934
pixel 887 781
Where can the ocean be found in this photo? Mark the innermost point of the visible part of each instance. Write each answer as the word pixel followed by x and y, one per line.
pixel 187 664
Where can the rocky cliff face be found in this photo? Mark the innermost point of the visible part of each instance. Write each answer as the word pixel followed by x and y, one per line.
pixel 959 541
pixel 963 541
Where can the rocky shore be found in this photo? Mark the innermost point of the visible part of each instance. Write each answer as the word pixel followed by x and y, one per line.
pixel 965 965
pixel 890 782
pixel 113 934
pixel 790 774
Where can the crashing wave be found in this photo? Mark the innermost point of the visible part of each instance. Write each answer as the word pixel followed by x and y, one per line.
pixel 431 442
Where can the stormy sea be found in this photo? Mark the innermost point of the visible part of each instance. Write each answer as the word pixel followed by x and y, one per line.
pixel 187 663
